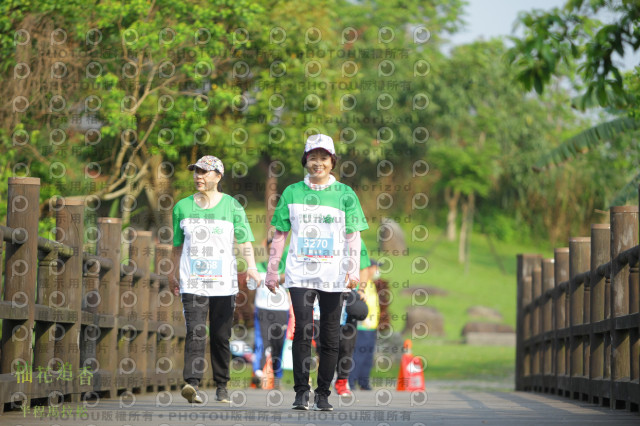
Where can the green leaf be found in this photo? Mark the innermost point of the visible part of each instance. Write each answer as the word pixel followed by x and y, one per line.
pixel 537 84
pixel 628 192
pixel 588 139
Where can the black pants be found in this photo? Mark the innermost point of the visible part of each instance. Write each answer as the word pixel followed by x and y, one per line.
pixel 329 335
pixel 273 330
pixel 347 345
pixel 219 309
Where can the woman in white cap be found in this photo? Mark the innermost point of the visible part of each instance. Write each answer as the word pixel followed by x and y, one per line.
pixel 325 219
pixel 204 227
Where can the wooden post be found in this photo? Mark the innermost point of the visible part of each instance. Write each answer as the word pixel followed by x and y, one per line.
pixel 600 255
pixel 548 283
pixel 624 235
pixel 1 255
pixel 47 286
pixel 536 348
pixel 526 302
pixel 20 278
pixel 124 377
pixel 547 325
pixel 109 247
pixel 526 263
pixel 178 343
pixel 163 363
pixel 561 275
pixel 579 262
pixel 152 330
pixel 634 308
pixel 91 332
pixel 70 231
pixel 140 314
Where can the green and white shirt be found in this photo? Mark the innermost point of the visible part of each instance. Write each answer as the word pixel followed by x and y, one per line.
pixel 318 255
pixel 208 265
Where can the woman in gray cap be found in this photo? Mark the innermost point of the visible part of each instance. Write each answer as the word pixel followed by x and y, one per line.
pixel 325 219
pixel 204 227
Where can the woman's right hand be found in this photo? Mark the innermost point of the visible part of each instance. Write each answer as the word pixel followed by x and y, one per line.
pixel 272 282
pixel 174 285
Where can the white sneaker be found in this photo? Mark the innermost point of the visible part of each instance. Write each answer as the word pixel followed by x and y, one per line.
pixel 190 393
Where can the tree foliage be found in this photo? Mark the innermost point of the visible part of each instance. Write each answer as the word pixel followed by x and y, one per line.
pixel 574 37
pixel 114 101
pixel 574 41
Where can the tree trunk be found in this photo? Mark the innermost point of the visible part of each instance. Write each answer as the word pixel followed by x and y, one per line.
pixel 465 231
pixel 469 219
pixel 160 193
pixel 452 214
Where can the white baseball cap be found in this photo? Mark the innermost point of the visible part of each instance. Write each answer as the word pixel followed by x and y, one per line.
pixel 320 141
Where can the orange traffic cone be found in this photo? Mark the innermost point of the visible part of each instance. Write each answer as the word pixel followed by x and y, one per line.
pixel 411 374
pixel 256 381
pixel 268 377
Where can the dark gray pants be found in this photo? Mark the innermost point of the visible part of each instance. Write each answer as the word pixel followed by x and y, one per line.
pixel 219 309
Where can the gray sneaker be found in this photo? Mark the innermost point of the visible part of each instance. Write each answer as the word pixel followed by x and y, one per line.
pixel 190 393
pixel 222 395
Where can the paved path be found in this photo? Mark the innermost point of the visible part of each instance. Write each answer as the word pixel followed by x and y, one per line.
pixel 381 407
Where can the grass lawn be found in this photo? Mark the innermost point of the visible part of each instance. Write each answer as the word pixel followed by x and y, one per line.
pixel 489 281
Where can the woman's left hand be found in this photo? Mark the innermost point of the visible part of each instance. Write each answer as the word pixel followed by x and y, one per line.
pixel 352 283
pixel 252 273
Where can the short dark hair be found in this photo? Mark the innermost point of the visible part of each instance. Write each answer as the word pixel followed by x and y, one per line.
pixel 334 158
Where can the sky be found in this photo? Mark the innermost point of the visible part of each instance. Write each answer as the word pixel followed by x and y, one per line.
pixel 492 18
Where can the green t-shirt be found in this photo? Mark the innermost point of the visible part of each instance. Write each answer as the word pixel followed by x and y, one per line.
pixel 208 265
pixel 319 222
pixel 365 261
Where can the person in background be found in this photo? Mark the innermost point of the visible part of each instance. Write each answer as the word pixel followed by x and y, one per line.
pixel 205 273
pixel 271 318
pixel 354 309
pixel 325 219
pixel 368 328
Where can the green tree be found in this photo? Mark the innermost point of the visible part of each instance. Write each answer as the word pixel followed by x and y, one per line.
pixel 485 135
pixel 572 41
pixel 391 52
pixel 557 41
pixel 294 83
pixel 140 83
pixel 472 88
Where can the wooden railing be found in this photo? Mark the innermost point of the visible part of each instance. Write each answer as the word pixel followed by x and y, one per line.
pixel 75 325
pixel 578 320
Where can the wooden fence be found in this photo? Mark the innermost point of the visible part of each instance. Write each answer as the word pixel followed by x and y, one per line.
pixel 76 326
pixel 578 320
